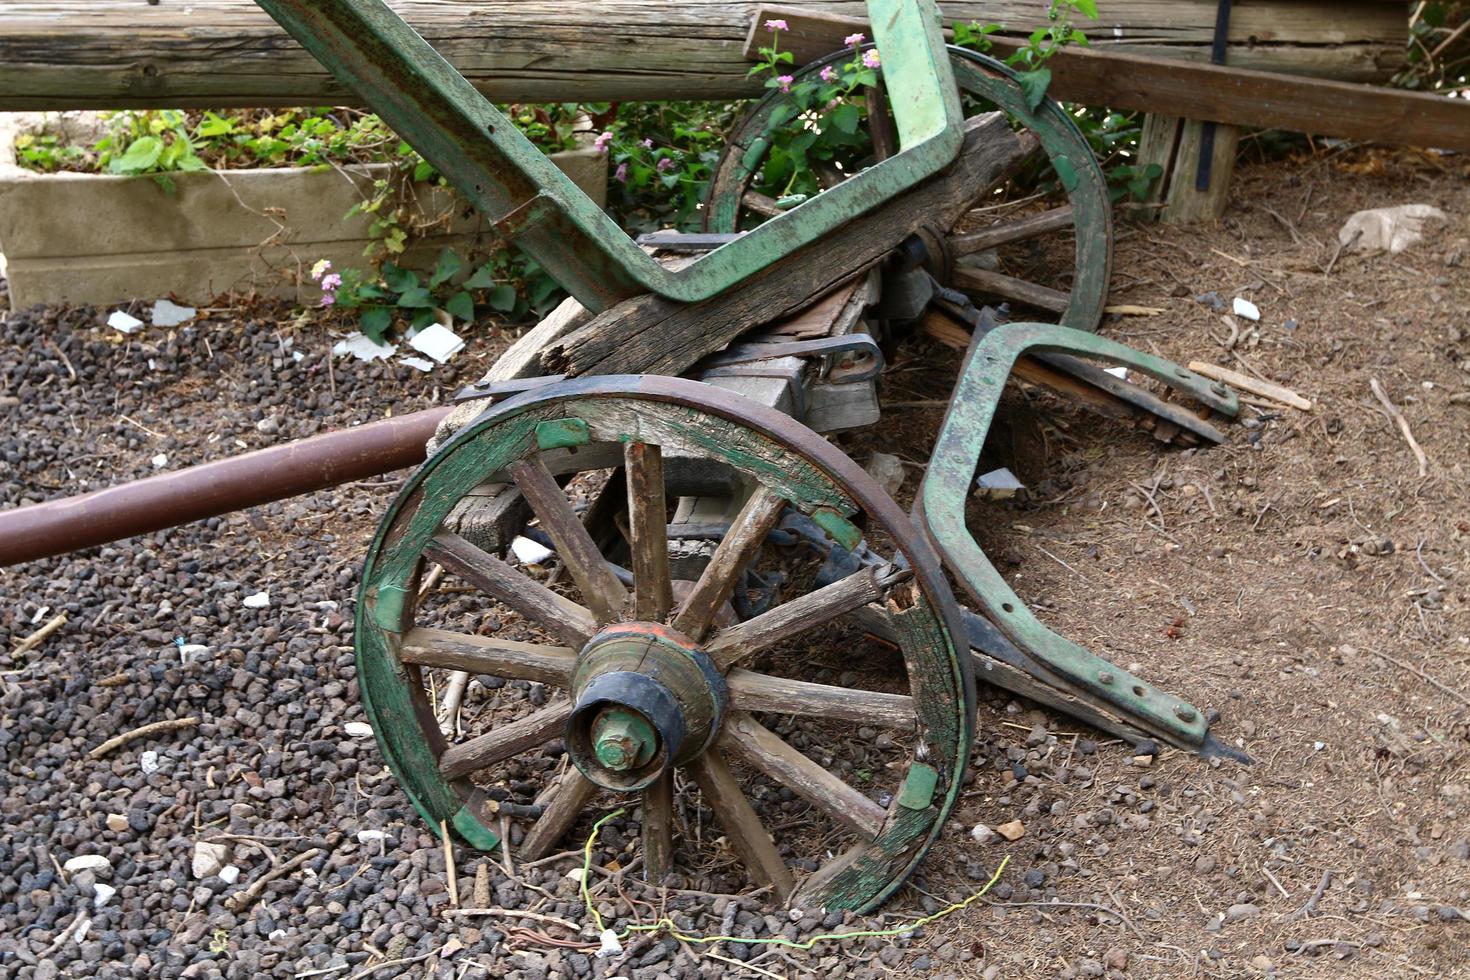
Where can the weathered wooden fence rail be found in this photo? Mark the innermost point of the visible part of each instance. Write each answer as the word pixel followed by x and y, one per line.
pixel 61 54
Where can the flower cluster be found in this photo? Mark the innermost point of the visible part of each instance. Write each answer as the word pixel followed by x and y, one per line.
pixel 329 280
pixel 602 142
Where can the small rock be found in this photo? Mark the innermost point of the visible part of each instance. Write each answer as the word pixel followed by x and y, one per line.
pixel 209 859
pixel 1262 963
pixel 117 822
pixel 888 471
pixel 1205 864
pixel 1241 912
pixel 983 834
pixel 1448 913
pixel 1012 831
pixel 87 862
pixel 148 762
pixel 358 729
pixel 102 894
pixel 260 600
pixel 1116 959
pixel 229 874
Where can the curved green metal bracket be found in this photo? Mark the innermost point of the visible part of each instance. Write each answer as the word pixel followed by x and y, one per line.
pixel 432 106
pixel 941 512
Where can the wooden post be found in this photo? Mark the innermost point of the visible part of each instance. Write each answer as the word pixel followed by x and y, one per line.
pixel 1174 144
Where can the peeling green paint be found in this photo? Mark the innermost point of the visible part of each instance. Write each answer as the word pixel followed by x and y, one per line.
pixel 567 433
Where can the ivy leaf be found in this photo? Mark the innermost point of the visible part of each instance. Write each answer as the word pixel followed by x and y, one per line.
pixel 1087 8
pixel 423 319
pixel 501 298
pixel 375 322
pixel 846 118
pixel 398 279
pixel 484 278
pixel 448 266
pixel 461 306
pixel 1034 84
pixel 141 155
pixel 417 298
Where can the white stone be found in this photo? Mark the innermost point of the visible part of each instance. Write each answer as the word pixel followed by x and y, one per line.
pixel 887 469
pixel 229 874
pixel 102 894
pixel 86 862
pixel 260 600
pixel 148 762
pixel 364 348
pixel 210 858
pixel 1244 307
pixel 167 314
pixel 1387 229
pixel 370 836
pixel 530 552
pixel 124 322
pixel 191 651
pixel 160 461
pixel 358 729
pixel 437 341
pixel 983 834
pixel 610 944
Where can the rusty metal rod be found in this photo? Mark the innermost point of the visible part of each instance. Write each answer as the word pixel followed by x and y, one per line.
pixel 170 499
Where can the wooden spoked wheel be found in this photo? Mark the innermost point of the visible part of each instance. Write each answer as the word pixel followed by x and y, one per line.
pixel 996 252
pixel 617 679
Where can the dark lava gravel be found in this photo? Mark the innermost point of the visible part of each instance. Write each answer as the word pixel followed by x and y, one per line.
pixel 157 629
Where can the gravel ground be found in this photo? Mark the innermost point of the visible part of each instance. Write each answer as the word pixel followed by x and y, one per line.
pixel 1253 578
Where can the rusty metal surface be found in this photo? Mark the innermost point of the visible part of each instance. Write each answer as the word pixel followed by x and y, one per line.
pixel 170 499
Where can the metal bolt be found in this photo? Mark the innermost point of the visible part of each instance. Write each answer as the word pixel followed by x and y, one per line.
pixel 1219 388
pixel 1105 677
pixel 1185 713
pixel 622 740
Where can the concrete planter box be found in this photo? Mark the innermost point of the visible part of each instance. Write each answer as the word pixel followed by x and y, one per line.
pixel 102 240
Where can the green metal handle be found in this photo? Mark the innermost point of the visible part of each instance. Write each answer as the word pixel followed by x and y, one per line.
pixel 946 487
pixel 437 111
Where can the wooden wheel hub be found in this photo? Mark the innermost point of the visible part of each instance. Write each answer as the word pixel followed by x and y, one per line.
pixel 646 698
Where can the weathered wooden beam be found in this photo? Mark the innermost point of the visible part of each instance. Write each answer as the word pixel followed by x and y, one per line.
pixel 652 335
pixel 1107 75
pixel 97 54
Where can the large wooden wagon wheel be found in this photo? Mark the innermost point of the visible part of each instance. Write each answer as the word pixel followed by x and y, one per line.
pixel 618 682
pixel 1081 228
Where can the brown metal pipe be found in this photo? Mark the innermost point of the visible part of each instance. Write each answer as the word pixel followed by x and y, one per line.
pixel 170 499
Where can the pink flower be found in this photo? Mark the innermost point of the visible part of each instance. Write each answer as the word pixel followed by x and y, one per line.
pixel 829 74
pixel 785 81
pixel 321 268
pixel 647 143
pixel 601 143
pixel 665 165
pixel 621 174
pixel 853 40
pixel 329 299
pixel 331 282
pixel 777 25
pixel 870 59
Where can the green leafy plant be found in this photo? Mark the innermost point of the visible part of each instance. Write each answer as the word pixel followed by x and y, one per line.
pixel 156 144
pixel 1030 60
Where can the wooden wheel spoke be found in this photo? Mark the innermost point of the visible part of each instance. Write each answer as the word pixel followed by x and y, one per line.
pixel 600 587
pixel 564 805
pixel 504 741
pixel 763 692
pixel 1007 232
pixel 731 646
pixel 488 655
pixel 658 828
pixel 570 622
pixel 974 279
pixel 736 549
pixel 742 826
pixel 648 531
pixel 765 750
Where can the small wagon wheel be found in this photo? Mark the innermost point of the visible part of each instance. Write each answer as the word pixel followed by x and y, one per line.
pixel 984 82
pixel 652 679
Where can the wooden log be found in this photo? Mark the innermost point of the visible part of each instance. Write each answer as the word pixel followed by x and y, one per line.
pixel 98 54
pixel 654 335
pixel 504 741
pixel 1250 91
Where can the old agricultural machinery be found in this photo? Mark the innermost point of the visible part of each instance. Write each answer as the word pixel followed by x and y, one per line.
pixel 720 597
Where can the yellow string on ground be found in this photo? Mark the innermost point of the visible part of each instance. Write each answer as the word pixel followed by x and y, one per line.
pixel 667 925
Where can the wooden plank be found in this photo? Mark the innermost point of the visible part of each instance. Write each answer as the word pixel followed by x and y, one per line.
pixel 1240 92
pixel 571 623
pixel 741 543
pixel 654 335
pixel 658 829
pixel 488 655
pixel 763 692
pixel 1005 232
pixel 78 54
pixel 743 829
pixel 972 278
pixel 600 588
pixel 648 531
pixel 764 749
pixel 504 741
pixel 739 642
pixel 1175 145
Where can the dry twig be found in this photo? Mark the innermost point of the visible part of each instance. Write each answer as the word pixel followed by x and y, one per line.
pixel 1402 423
pixel 39 636
pixel 242 901
pixel 117 741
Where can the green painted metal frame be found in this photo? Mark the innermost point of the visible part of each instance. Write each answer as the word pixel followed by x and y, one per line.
pixel 437 111
pixel 983 77
pixel 940 510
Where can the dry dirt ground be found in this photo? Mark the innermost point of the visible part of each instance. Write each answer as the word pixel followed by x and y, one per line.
pixel 1302 580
